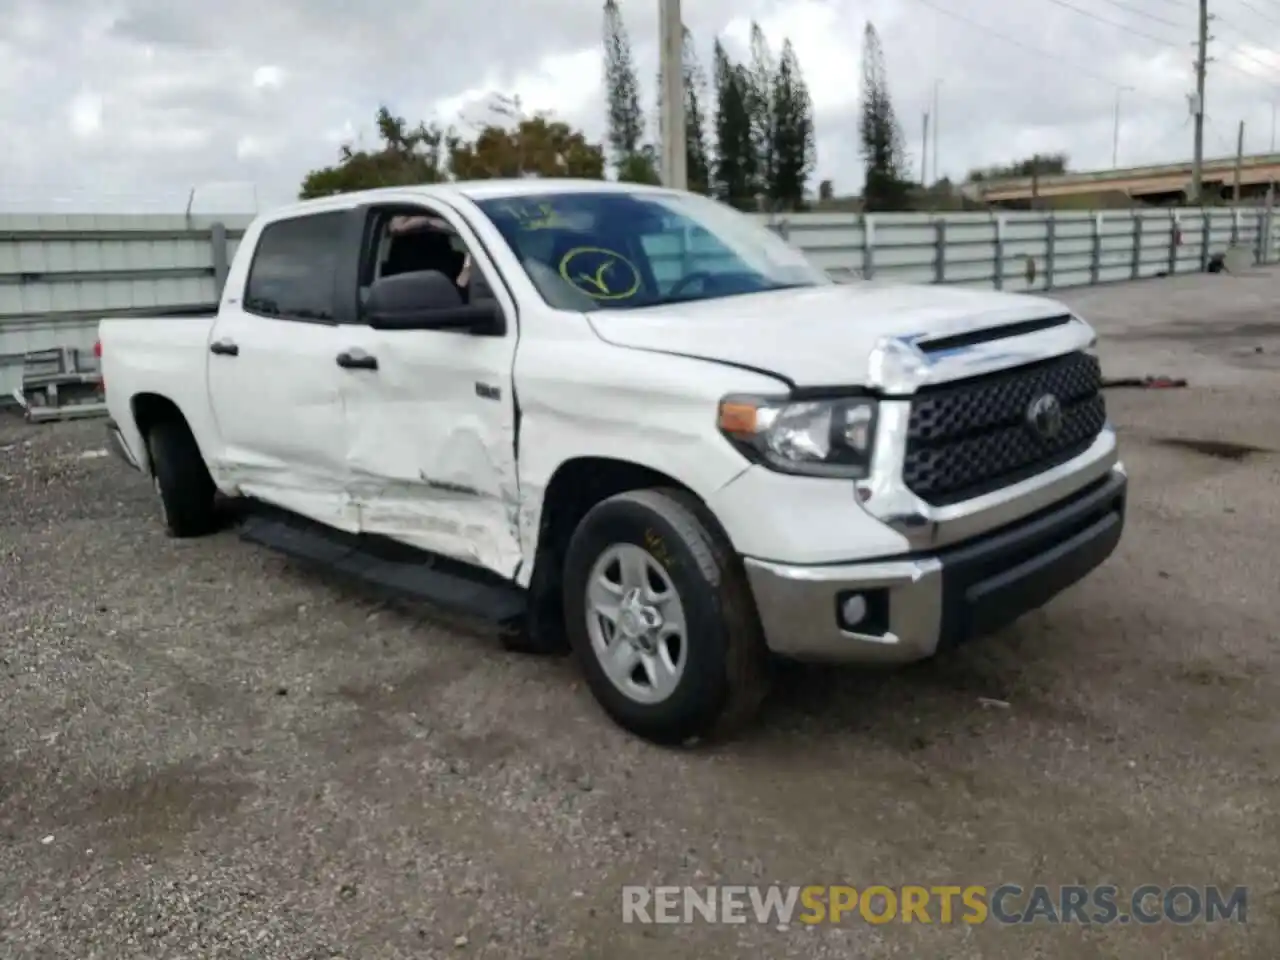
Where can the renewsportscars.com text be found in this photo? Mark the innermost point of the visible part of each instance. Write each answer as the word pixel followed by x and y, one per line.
pixel 935 904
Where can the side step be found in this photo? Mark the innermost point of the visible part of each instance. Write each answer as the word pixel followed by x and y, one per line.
pixel 388 566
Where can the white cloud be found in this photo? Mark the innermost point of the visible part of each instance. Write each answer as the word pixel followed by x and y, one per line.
pixel 142 99
pixel 567 84
pixel 345 132
pixel 268 77
pixel 250 147
pixel 84 116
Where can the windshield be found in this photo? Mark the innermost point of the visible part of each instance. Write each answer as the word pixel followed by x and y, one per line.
pixel 622 251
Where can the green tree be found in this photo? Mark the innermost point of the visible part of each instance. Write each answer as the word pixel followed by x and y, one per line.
pixel 697 152
pixel 626 119
pixel 536 146
pixel 407 155
pixel 1042 164
pixel 888 182
pixel 734 171
pixel 793 150
pixel 641 167
pixel 761 78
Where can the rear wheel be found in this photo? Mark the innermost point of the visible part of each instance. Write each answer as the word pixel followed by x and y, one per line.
pixel 182 481
pixel 660 617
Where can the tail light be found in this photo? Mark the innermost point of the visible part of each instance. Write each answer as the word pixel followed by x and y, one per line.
pixel 97 352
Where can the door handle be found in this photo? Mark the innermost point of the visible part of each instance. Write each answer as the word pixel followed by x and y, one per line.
pixel 225 348
pixel 357 360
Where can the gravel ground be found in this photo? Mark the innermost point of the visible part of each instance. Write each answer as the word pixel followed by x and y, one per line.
pixel 208 752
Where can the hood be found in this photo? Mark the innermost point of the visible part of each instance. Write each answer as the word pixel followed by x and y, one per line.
pixel 815 336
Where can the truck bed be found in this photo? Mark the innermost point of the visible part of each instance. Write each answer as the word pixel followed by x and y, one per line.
pixel 166 353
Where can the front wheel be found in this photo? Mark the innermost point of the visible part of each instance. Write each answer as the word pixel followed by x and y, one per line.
pixel 659 615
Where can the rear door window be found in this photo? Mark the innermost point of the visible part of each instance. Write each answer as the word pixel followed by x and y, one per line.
pixel 294 267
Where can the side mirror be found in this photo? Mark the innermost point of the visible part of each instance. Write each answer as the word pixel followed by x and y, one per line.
pixel 428 300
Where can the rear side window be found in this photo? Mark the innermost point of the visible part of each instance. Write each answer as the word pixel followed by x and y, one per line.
pixel 293 268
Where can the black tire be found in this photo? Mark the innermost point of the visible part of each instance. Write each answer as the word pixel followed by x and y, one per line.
pixel 725 676
pixel 182 480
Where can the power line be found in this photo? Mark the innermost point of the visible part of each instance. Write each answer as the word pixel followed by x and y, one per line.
pixel 1029 48
pixel 1249 6
pixel 1136 11
pixel 1115 24
pixel 1245 54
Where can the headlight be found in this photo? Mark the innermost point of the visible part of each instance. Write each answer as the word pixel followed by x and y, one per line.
pixel 817 438
pixel 1092 348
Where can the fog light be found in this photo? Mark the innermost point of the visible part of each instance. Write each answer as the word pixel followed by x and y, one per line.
pixel 863 612
pixel 852 610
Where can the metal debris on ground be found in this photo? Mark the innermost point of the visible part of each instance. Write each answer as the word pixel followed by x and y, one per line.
pixel 1221 449
pixel 1145 383
pixel 59 384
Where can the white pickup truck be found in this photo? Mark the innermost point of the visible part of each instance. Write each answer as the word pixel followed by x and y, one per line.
pixel 633 423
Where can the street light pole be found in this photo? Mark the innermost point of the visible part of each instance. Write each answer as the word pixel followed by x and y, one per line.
pixel 671 58
pixel 1115 132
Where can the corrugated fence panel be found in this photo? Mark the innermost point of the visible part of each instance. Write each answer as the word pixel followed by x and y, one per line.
pixel 60 273
pixel 1072 262
pixel 966 244
pixel 835 242
pixel 905 248
pixel 1024 252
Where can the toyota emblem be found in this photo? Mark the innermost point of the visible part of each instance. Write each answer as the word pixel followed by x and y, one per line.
pixel 1044 416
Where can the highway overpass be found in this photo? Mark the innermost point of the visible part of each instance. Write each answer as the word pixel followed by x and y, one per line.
pixel 1162 184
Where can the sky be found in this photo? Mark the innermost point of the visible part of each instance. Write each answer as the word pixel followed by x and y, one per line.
pixel 130 105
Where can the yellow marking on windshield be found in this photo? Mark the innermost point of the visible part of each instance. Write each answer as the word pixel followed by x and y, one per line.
pixel 601 283
pixel 541 216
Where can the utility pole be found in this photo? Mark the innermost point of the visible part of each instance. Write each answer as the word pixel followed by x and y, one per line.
pixel 671 56
pixel 1197 105
pixel 1235 186
pixel 936 85
pixel 924 154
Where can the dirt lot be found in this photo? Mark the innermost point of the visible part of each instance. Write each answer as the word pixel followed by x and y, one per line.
pixel 205 751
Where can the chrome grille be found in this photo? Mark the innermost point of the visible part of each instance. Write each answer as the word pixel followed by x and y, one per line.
pixel 968 438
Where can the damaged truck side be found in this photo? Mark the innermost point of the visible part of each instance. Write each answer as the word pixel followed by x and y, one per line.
pixel 633 423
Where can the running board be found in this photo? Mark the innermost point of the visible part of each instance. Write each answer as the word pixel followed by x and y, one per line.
pixel 388 566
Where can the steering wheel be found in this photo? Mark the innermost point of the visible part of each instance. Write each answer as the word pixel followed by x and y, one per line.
pixel 687 280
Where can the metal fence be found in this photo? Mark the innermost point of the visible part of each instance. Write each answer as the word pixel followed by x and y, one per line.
pixel 60 274
pixel 1022 252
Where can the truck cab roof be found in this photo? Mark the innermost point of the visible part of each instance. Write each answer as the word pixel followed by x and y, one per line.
pixel 474 190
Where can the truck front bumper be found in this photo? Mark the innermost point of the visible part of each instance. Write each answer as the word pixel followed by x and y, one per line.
pixel 903 609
